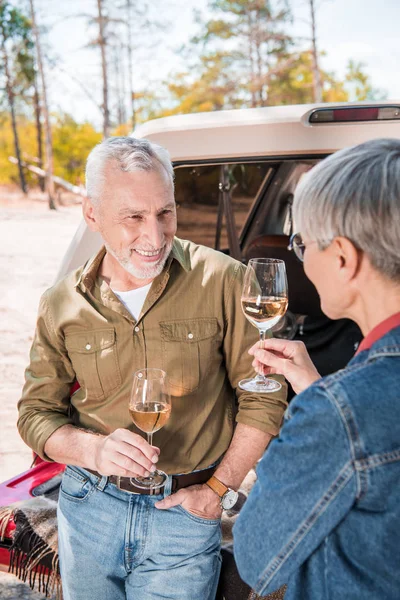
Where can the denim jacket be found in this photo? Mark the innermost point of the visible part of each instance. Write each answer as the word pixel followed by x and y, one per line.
pixel 324 514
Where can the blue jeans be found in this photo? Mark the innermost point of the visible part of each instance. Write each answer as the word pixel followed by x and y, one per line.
pixel 114 545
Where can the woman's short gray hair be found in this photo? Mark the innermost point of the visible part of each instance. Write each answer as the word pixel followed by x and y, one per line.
pixel 355 193
pixel 130 154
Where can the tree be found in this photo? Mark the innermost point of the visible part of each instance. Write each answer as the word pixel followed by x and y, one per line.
pixel 361 87
pixel 15 46
pixel 47 126
pixel 102 43
pixel 317 87
pixel 72 143
pixel 253 31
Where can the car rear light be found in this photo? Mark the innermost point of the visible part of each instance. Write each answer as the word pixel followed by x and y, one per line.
pixel 354 114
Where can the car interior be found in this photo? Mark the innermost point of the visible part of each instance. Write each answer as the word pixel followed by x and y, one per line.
pixel 243 208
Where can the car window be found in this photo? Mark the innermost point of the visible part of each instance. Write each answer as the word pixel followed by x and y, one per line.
pixel 199 197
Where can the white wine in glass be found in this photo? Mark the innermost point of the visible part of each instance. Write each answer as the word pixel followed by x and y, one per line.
pixel 150 409
pixel 264 302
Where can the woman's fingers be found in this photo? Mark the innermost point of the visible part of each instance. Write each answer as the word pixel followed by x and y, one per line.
pixel 269 359
pixel 281 348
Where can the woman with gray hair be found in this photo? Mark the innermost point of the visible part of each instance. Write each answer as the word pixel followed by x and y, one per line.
pixel 324 515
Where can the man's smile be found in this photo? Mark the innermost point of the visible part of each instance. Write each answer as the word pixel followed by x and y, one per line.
pixel 150 255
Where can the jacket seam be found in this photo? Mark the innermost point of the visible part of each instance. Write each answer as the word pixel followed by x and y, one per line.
pixel 277 562
pixel 377 460
pixel 357 452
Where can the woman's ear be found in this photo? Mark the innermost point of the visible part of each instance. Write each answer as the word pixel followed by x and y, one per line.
pixel 348 256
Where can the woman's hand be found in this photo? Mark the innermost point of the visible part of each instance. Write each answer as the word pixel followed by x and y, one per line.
pixel 287 358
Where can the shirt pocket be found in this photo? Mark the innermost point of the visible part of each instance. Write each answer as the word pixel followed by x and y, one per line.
pixel 95 361
pixel 187 350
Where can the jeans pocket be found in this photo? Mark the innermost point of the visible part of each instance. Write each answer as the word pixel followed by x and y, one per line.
pixel 75 486
pixel 198 519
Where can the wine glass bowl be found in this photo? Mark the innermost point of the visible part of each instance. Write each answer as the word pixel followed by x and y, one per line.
pixel 264 301
pixel 150 409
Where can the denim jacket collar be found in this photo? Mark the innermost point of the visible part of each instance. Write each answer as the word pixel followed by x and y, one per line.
pixel 387 345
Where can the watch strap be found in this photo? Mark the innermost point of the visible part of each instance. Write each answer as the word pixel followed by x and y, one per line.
pixel 217 486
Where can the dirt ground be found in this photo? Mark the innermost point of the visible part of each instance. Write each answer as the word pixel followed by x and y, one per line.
pixel 33 240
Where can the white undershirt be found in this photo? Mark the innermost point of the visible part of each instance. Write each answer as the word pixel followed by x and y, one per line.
pixel 133 300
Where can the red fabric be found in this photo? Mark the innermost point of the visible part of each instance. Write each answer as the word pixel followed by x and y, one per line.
pixel 75 388
pixel 379 331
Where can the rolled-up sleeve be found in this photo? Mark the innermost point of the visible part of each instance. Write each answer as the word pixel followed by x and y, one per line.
pixel 262 411
pixel 45 402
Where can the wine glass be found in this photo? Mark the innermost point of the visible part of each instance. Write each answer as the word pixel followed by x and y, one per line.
pixel 150 408
pixel 264 302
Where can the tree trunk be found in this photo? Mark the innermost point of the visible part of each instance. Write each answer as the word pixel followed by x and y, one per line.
pixel 47 127
pixel 10 95
pixel 317 87
pixel 257 43
pixel 39 134
pixel 102 44
pixel 251 59
pixel 130 63
pixel 120 87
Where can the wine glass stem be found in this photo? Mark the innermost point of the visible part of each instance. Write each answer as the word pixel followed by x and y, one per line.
pixel 150 440
pixel 261 378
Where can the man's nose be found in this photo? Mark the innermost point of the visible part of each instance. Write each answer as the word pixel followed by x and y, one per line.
pixel 153 233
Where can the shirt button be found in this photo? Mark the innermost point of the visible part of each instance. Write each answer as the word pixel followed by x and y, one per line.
pixel 88 346
pixel 137 329
pixel 190 336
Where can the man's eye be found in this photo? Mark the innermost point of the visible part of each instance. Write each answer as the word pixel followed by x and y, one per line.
pixel 165 213
pixel 134 217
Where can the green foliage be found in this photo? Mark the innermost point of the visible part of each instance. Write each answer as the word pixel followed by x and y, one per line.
pixel 245 58
pixel 8 171
pixel 360 84
pixel 253 32
pixel 72 143
pixel 16 40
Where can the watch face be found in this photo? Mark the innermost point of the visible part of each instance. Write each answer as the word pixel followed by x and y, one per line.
pixel 229 499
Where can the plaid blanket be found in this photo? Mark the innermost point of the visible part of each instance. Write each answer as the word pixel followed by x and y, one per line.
pixel 34 550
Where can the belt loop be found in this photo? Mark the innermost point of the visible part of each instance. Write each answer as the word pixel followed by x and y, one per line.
pixel 168 486
pixel 102 483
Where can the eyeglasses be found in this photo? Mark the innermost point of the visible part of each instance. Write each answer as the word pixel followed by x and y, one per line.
pixel 297 245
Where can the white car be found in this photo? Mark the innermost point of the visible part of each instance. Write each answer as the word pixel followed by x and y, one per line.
pixel 235 175
pixel 245 164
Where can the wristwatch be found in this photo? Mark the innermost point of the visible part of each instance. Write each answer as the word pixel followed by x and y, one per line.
pixel 227 496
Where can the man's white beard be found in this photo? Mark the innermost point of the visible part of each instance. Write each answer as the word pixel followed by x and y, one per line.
pixel 146 272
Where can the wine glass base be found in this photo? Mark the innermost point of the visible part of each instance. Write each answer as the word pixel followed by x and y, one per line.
pixel 257 385
pixel 155 480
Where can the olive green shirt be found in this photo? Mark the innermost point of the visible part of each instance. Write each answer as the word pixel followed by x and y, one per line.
pixel 191 325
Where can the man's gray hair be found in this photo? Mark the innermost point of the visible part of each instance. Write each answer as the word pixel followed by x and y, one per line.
pixel 129 154
pixel 355 193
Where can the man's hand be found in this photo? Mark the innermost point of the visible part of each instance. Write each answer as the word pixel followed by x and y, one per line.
pixel 126 454
pixel 287 358
pixel 199 500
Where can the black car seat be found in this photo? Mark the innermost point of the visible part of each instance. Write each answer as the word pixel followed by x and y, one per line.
pixel 331 344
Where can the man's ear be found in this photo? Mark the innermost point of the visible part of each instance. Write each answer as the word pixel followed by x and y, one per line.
pixel 348 256
pixel 90 214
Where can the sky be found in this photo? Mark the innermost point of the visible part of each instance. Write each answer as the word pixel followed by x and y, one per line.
pixel 363 30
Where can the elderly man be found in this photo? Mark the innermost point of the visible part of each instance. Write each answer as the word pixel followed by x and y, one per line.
pixel 324 515
pixel 147 299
